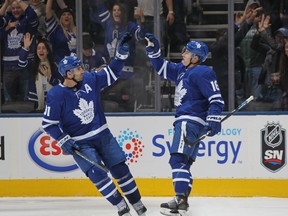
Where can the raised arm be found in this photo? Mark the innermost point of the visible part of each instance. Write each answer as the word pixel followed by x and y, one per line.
pixel 61 4
pixel 49 12
pixel 23 54
pixel 4 7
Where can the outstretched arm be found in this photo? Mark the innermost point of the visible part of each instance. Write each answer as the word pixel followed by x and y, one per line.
pixel 23 54
pixel 164 68
pixel 61 4
pixel 108 75
pixel 48 11
pixel 4 7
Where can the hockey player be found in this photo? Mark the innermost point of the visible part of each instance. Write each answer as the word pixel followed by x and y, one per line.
pixel 75 118
pixel 198 103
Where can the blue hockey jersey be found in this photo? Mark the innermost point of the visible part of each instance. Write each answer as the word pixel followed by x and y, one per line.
pixel 12 39
pixel 197 93
pixel 78 111
pixel 61 45
pixel 93 62
pixel 112 31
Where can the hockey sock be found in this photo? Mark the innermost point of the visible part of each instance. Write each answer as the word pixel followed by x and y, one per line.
pixel 126 182
pixel 181 174
pixel 122 205
pixel 138 205
pixel 105 185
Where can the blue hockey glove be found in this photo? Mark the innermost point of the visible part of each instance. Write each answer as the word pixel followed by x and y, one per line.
pixel 67 144
pixel 213 124
pixel 152 46
pixel 122 50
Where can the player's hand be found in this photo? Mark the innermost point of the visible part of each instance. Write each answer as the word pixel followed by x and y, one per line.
pixel 213 124
pixel 122 50
pixel 67 144
pixel 152 46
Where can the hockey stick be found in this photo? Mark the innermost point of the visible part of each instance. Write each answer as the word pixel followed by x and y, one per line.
pixel 100 166
pixel 244 103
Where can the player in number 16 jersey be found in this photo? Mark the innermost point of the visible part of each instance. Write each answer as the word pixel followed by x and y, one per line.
pixel 198 103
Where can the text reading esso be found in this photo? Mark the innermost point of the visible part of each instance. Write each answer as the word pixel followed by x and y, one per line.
pixel 44 151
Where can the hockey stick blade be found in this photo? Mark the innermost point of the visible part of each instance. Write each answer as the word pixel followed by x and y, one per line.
pixel 100 166
pixel 243 104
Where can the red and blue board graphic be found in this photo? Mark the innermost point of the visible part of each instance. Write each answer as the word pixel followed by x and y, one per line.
pixel 131 143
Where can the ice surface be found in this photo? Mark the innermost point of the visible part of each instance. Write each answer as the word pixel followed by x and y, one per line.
pixel 98 206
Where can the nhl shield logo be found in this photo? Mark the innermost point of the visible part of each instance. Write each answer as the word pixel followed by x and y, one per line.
pixel 273 148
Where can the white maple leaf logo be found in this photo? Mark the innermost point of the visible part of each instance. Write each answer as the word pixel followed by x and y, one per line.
pixel 86 111
pixel 180 92
pixel 111 47
pixel 14 39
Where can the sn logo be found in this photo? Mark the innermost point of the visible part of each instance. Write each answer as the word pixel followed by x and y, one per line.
pixel 273 154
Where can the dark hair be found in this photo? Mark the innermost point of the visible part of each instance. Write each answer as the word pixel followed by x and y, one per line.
pixel 68 10
pixel 87 41
pixel 124 18
pixel 36 62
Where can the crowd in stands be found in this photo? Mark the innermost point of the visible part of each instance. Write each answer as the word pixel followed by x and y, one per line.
pixel 36 34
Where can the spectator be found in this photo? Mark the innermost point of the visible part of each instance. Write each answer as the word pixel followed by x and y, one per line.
pixel 129 7
pixel 114 23
pixel 272 8
pixel 253 59
pixel 177 30
pixel 45 75
pixel 61 33
pixel 13 26
pixel 147 6
pixel 59 5
pixel 219 51
pixel 273 73
pixel 92 58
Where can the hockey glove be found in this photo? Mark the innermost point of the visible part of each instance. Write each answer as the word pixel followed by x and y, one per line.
pixel 67 144
pixel 213 124
pixel 122 50
pixel 152 46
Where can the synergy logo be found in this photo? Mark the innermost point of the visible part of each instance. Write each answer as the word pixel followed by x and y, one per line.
pixel 273 154
pixel 131 144
pixel 225 151
pixel 44 151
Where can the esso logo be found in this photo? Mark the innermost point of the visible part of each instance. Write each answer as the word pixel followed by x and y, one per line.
pixel 44 151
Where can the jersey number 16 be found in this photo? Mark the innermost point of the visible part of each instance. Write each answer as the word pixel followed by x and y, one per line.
pixel 214 85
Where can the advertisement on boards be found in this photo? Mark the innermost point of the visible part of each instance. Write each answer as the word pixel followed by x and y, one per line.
pixel 246 147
